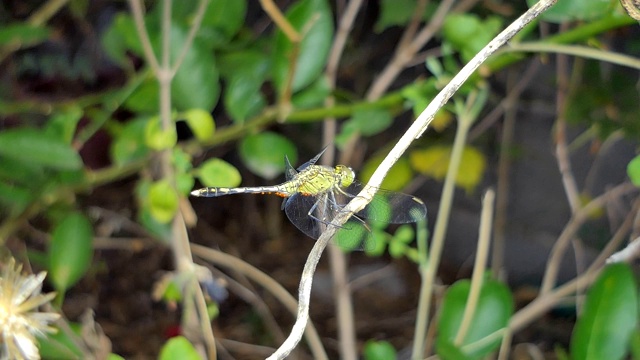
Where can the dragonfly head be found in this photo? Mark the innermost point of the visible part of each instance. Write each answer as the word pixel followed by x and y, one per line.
pixel 345 175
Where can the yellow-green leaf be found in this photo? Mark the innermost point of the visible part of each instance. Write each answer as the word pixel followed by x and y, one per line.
pixel 200 122
pixel 434 162
pixel 163 201
pixel 397 178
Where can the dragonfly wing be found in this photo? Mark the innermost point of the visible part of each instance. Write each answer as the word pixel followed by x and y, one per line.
pixel 390 207
pixel 297 208
pixel 312 161
pixel 312 215
pixel 289 171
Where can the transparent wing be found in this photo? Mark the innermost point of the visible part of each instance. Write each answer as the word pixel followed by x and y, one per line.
pixel 312 214
pixel 387 207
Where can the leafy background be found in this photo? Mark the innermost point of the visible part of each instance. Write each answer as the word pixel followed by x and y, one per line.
pixel 85 147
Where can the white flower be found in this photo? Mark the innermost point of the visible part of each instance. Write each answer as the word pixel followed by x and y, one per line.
pixel 20 320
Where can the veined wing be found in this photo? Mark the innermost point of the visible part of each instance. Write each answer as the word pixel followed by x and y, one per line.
pixel 312 214
pixel 387 206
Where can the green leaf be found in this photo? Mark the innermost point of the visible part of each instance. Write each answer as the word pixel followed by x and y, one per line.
pixel 129 144
pixel 394 12
pixel 71 251
pixel 62 124
pixel 218 173
pixel 434 162
pixel 493 310
pixel 225 16
pixel 576 10
pixel 313 95
pixel 61 344
pixel 397 178
pixel 158 138
pixel 37 148
pixel 23 34
pixel 633 170
pixel 468 33
pixel 118 39
pixel 245 72
pixel 144 99
pixel 201 123
pixel 163 201
pixel 14 199
pixel 179 348
pixel 609 316
pixel 379 350
pixel 313 20
pixel 263 153
pixel 366 122
pixel 196 84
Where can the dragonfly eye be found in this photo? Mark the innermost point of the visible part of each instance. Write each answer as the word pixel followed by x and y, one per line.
pixel 345 174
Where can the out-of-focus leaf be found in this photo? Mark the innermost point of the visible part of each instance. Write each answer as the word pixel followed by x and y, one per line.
pixel 633 170
pixel 313 20
pixel 245 72
pixel 398 12
pixel 313 95
pixel 62 125
pixel 379 350
pixel 397 178
pixel 14 198
pixel 157 138
pixel 117 40
pixel 218 173
pixel 71 251
pixel 468 33
pixel 60 345
pixel 494 308
pixel 201 123
pixel 145 98
pixel 129 144
pixel 366 122
pixel 609 316
pixel 225 16
pixel 163 201
pixel 196 84
pixel 179 348
pixel 38 148
pixel 23 33
pixel 184 177
pixel 434 162
pixel 576 10
pixel 264 153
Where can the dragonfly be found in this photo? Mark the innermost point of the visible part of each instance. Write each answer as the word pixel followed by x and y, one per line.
pixel 316 194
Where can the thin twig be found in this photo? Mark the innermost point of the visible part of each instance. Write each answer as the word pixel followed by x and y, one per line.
pixel 367 193
pixel 484 240
pixel 557 253
pixel 225 260
pixel 338 260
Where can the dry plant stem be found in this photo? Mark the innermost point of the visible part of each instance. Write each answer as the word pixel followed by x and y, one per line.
pixel 304 291
pixel 283 24
pixel 484 240
pixel 439 234
pixel 225 260
pixel 562 154
pixel 337 259
pixel 504 169
pixel 416 130
pixel 578 51
pixel 365 196
pixel 179 238
pixel 407 51
pixel 574 224
pixel 546 301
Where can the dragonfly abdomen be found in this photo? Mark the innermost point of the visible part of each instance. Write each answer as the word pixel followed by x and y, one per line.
pixel 221 191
